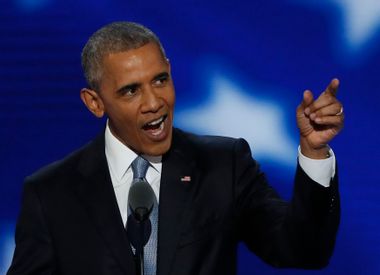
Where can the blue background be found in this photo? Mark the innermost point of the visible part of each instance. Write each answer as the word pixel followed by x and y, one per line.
pixel 239 67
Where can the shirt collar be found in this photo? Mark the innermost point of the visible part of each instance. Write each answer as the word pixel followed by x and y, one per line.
pixel 120 156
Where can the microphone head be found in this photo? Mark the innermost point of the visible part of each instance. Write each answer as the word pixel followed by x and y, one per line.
pixel 141 200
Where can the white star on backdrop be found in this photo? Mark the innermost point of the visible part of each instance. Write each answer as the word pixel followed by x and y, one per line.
pixel 360 20
pixel 7 247
pixel 231 112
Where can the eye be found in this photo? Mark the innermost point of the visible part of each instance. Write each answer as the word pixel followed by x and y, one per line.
pixel 161 80
pixel 128 90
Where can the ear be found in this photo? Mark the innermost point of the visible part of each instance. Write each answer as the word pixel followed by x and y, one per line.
pixel 93 102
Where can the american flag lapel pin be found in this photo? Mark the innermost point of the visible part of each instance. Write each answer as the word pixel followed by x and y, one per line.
pixel 186 179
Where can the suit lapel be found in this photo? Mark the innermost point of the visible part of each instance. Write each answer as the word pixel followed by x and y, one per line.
pixel 98 197
pixel 178 177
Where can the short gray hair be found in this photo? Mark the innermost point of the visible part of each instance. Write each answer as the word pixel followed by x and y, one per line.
pixel 113 38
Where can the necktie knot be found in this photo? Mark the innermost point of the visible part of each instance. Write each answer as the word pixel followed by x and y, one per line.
pixel 139 167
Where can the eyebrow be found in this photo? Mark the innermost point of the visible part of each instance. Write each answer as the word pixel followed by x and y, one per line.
pixel 160 75
pixel 136 85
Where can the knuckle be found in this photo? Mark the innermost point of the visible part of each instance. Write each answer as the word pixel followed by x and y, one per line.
pixel 330 99
pixel 319 113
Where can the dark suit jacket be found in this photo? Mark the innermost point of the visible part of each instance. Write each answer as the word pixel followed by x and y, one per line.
pixel 70 221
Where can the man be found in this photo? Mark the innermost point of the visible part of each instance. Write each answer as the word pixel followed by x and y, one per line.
pixel 210 193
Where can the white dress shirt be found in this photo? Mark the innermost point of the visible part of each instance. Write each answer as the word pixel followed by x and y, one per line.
pixel 120 157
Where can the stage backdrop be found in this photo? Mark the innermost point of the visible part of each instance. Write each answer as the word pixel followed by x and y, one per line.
pixel 239 68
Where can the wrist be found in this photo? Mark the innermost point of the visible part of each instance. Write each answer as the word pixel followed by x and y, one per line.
pixel 320 152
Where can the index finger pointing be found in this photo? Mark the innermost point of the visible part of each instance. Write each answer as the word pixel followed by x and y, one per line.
pixel 333 87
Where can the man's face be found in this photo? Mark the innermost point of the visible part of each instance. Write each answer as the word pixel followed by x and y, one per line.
pixel 137 94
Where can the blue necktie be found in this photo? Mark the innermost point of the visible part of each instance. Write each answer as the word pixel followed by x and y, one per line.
pixel 139 168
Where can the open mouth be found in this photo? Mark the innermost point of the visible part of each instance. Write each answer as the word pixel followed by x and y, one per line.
pixel 156 127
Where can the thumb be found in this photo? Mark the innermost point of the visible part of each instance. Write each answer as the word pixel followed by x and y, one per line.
pixel 307 99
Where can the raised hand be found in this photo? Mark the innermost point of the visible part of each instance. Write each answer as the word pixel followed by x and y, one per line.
pixel 319 121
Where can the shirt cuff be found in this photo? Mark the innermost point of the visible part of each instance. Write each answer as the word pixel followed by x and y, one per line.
pixel 319 170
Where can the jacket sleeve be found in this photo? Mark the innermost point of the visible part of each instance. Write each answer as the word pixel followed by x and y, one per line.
pixel 300 233
pixel 34 248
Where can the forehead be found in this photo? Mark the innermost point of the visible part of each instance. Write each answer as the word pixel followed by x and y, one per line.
pixel 140 62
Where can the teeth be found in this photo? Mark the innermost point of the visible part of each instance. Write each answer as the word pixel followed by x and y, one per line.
pixel 156 121
pixel 159 130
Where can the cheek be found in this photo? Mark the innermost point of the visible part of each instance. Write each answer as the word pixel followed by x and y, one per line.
pixel 170 99
pixel 126 122
pixel 130 123
pixel 130 132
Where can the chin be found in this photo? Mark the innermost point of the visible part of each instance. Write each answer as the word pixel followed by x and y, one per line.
pixel 158 151
pixel 157 148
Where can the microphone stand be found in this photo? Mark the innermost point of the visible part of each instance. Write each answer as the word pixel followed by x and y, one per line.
pixel 140 261
pixel 140 251
pixel 138 231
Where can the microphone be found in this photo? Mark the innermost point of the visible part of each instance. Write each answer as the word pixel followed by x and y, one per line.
pixel 141 200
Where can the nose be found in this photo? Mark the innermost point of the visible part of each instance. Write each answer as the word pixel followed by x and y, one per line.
pixel 151 101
